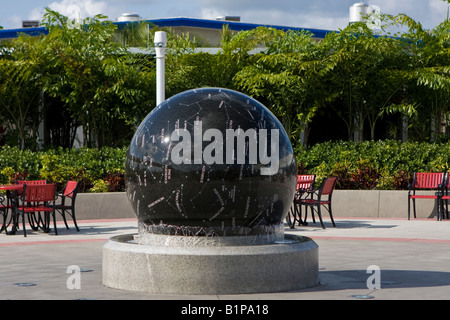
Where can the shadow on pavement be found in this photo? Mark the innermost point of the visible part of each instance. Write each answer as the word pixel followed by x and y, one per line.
pixel 357 279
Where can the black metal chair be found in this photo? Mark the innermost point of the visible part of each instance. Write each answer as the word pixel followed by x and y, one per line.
pixel 67 202
pixel 433 181
pixel 318 200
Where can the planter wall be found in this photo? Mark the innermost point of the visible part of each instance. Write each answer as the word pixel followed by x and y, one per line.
pixel 108 205
pixel 345 203
pixel 379 204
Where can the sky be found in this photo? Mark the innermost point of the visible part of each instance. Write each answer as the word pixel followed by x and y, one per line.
pixel 315 14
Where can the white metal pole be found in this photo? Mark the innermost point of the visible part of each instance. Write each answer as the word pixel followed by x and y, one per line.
pixel 160 48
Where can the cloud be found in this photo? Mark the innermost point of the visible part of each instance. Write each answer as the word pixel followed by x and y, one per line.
pixel 14 20
pixel 309 14
pixel 428 12
pixel 438 11
pixel 84 8
pixel 319 14
pixel 78 8
pixel 35 14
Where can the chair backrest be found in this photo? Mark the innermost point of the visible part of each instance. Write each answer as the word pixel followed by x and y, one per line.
pixel 446 183
pixel 71 189
pixel 428 180
pixel 31 181
pixel 39 192
pixel 305 181
pixel 328 186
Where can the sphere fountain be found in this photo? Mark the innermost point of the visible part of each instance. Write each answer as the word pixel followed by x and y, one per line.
pixel 211 175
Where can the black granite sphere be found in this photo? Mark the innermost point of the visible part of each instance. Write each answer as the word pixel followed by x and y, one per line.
pixel 210 161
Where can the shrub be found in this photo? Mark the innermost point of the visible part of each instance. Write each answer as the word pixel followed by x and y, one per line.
pixel 59 165
pixel 386 164
pixel 100 185
pixel 18 164
pixel 116 181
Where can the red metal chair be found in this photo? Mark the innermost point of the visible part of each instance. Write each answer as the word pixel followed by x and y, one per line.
pixel 32 219
pixel 36 198
pixel 305 182
pixel 31 181
pixel 305 185
pixel 425 181
pixel 325 191
pixel 67 203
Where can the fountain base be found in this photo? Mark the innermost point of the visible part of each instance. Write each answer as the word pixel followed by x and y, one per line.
pixel 167 267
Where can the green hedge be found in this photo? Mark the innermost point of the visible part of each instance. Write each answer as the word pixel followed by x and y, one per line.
pixel 99 170
pixel 385 165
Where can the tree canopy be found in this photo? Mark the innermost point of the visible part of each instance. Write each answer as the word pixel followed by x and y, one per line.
pixel 368 84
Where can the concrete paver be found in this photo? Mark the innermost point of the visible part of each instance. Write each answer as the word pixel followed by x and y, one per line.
pixel 413 258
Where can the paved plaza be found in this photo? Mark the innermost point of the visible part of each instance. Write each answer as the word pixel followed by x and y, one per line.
pixel 377 259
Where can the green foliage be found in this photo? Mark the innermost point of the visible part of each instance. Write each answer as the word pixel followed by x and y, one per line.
pixel 99 186
pixel 17 164
pixel 83 74
pixel 386 164
pixel 284 77
pixel 88 165
pixel 79 75
pixel 96 77
pixel 19 95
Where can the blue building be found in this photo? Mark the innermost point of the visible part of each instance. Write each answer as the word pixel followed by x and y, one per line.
pixel 205 28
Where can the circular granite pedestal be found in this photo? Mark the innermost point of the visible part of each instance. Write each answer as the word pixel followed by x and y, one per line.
pixel 224 268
